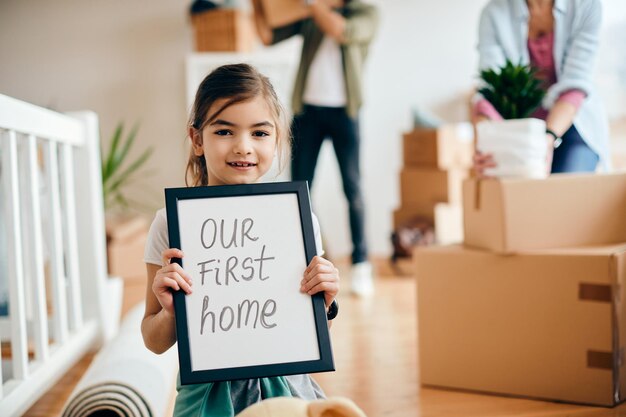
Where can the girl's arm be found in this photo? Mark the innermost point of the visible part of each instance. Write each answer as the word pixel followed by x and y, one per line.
pixel 158 326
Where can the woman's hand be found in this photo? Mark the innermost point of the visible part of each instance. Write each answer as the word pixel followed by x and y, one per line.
pixel 549 153
pixel 483 161
pixel 171 277
pixel 321 275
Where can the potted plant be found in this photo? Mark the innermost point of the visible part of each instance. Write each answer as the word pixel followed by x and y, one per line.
pixel 518 142
pixel 126 231
pixel 117 170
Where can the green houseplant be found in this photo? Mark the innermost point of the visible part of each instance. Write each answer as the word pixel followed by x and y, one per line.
pixel 125 230
pixel 518 143
pixel 514 90
pixel 117 169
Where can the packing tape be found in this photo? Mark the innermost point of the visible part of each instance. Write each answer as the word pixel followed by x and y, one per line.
pixel 477 185
pixel 599 359
pixel 595 292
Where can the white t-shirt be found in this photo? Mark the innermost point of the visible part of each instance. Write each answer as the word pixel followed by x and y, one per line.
pixel 158 239
pixel 325 85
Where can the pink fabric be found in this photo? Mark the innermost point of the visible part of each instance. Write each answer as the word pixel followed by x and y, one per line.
pixel 574 97
pixel 540 51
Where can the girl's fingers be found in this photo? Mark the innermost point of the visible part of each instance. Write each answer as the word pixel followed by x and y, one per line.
pixel 182 273
pixel 317 260
pixel 308 285
pixel 327 287
pixel 167 282
pixel 168 254
pixel 179 270
pixel 177 278
pixel 316 268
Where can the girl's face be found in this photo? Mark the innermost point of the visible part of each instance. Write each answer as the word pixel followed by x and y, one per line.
pixel 239 144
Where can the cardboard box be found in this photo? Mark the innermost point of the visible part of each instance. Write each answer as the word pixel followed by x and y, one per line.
pixel 405 213
pixel 546 325
pixel 419 186
pixel 126 241
pixel 283 12
pixel 511 215
pixel 447 147
pixel 448 223
pixel 225 30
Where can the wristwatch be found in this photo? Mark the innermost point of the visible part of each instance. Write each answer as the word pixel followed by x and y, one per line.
pixel 557 139
pixel 333 309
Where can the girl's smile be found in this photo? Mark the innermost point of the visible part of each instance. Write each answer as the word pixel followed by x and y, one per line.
pixel 239 144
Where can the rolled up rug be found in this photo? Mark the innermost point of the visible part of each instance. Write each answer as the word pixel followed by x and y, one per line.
pixel 125 378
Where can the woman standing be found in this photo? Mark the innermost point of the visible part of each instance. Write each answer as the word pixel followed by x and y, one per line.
pixel 560 39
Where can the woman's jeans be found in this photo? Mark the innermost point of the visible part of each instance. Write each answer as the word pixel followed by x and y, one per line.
pixel 310 128
pixel 574 155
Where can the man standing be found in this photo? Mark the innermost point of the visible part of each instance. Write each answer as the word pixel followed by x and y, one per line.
pixel 326 99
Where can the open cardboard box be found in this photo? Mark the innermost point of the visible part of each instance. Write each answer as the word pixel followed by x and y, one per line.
pixel 547 324
pixel 564 210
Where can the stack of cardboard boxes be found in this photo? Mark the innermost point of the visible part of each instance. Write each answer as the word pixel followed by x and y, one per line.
pixel 435 163
pixel 534 303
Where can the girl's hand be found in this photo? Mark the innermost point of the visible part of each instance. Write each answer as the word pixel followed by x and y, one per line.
pixel 483 161
pixel 171 277
pixel 321 275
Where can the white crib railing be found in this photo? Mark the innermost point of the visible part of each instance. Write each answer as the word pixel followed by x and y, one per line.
pixel 60 302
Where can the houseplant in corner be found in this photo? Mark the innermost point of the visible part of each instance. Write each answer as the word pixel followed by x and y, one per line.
pixel 518 142
pixel 126 231
pixel 117 170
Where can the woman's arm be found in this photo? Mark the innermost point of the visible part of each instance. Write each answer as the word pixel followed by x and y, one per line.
pixel 561 117
pixel 158 325
pixel 490 51
pixel 579 52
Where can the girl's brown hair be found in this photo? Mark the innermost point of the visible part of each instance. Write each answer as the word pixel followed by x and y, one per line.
pixel 237 83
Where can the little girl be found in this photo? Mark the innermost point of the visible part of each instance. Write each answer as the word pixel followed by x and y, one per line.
pixel 237 126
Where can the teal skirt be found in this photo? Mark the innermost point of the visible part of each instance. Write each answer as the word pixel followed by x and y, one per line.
pixel 228 398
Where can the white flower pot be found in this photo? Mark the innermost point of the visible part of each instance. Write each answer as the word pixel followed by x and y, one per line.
pixel 518 146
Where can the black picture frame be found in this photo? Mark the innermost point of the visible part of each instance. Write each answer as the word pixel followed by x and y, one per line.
pixel 189 376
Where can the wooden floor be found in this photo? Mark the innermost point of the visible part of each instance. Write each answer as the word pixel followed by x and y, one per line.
pixel 375 348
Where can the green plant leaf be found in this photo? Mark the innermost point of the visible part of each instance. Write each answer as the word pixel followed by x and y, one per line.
pixel 123 177
pixel 116 167
pixel 514 90
pixel 107 166
pixel 130 139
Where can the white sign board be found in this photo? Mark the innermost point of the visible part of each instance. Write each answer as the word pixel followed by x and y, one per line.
pixel 246 248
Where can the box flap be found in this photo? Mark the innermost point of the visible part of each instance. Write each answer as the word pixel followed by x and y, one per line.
pixel 483 214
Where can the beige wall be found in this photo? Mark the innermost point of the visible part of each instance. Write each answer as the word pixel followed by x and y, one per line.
pixel 125 60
